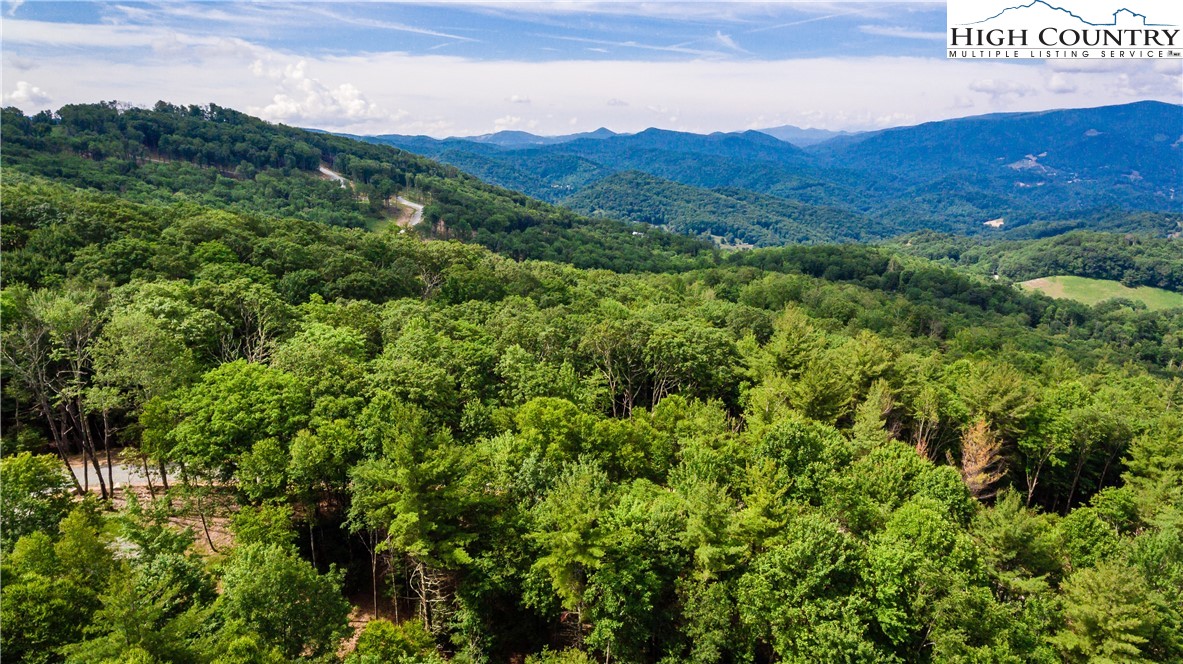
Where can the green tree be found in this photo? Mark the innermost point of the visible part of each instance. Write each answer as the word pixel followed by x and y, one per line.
pixel 999 394
pixel 616 347
pixel 1155 466
pixel 1086 539
pixel 48 341
pixel 231 409
pixel 139 353
pixel 805 598
pixel 34 495
pixel 917 560
pixel 688 357
pixel 416 496
pixel 139 621
pixel 1019 543
pixel 329 360
pixel 642 557
pixel 382 642
pixel 51 589
pixel 1112 616
pixel 570 534
pixel 265 525
pixel 285 600
pixel 569 656
pixel 806 455
pixel 40 608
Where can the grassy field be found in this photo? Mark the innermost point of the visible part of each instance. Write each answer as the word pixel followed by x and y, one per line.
pixel 1092 291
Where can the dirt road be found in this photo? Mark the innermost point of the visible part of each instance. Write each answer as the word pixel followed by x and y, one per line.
pixel 404 221
pixel 123 474
pixel 416 212
pixel 333 175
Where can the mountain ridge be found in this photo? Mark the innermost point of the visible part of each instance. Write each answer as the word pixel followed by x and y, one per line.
pixel 949 175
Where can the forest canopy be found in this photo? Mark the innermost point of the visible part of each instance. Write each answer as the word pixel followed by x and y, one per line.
pixel 798 454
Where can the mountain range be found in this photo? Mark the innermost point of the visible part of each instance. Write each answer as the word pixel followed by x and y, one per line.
pixel 952 175
pixel 801 137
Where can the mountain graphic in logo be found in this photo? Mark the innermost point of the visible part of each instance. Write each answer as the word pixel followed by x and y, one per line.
pixel 1123 15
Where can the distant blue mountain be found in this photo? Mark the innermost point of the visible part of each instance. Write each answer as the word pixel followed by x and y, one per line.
pixel 520 139
pixel 1086 143
pixel 802 137
pixel 951 175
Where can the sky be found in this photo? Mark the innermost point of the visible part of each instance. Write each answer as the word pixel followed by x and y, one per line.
pixel 469 68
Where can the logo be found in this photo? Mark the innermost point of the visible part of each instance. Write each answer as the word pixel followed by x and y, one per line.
pixel 1065 29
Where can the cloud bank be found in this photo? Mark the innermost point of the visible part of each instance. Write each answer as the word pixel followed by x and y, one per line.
pixel 711 86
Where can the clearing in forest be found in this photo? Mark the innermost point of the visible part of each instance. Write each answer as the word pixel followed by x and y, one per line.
pixel 1092 291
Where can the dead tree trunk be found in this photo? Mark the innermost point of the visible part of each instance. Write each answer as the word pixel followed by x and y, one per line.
pixel 59 441
pixel 148 476
pixel 107 449
pixel 82 423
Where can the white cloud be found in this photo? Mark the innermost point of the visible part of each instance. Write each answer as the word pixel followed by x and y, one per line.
pixel 27 95
pixel 876 9
pixel 727 42
pixel 731 12
pixel 120 38
pixel 238 14
pixel 698 11
pixel 20 64
pixel 430 127
pixel 795 23
pixel 306 101
pixel 961 102
pixel 506 122
pixel 1174 67
pixel 448 95
pixel 20 31
pixel 894 120
pixel 1000 89
pixel 901 33
pixel 318 8
pixel 518 99
pixel 1093 66
pixel 14 5
pixel 682 49
pixel 1060 83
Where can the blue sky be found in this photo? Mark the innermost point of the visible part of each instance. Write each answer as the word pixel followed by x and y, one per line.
pixel 451 68
pixel 538 31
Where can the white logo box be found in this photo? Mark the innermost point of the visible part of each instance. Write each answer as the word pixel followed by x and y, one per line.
pixel 1064 29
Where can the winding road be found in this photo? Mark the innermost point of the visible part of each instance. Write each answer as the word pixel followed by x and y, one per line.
pixel 333 175
pixel 416 215
pixel 416 208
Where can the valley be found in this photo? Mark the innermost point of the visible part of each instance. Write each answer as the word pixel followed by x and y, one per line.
pixel 953 176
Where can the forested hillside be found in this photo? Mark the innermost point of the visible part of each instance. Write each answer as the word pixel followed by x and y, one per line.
pixel 220 157
pixel 731 216
pixel 370 446
pixel 1134 260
